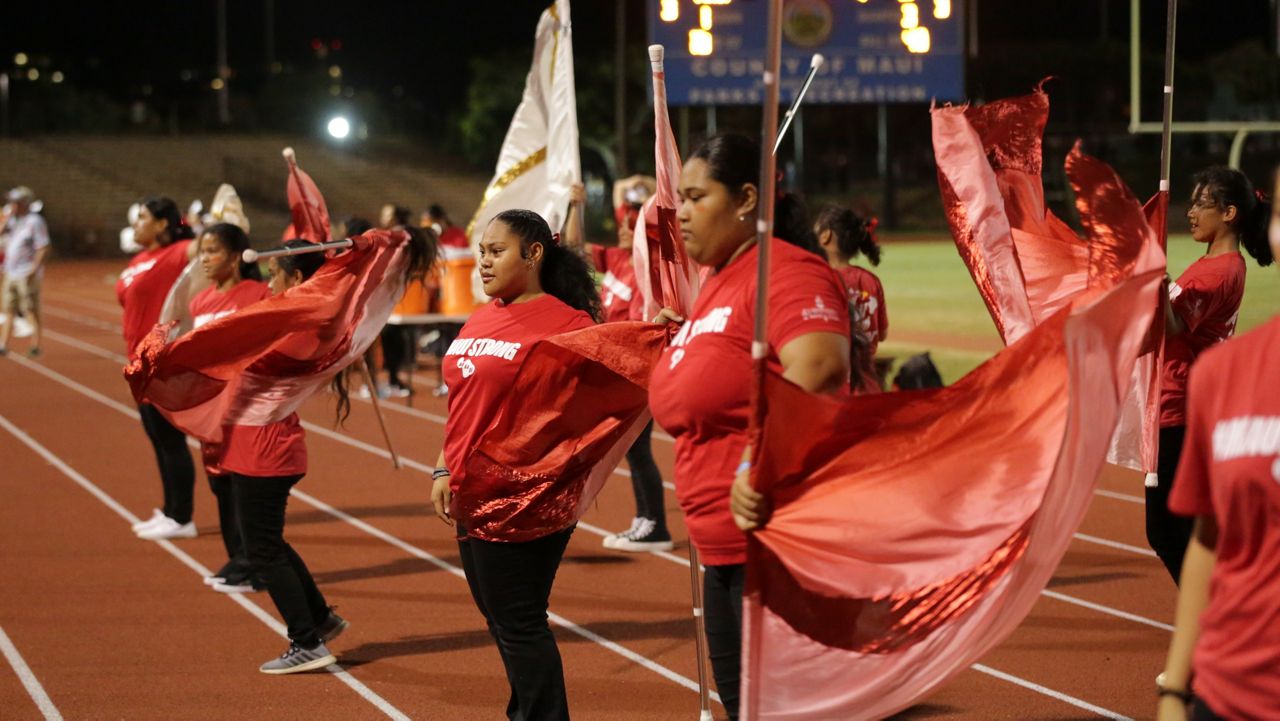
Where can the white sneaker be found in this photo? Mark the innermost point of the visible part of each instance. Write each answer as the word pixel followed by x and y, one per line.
pixel 167 528
pixel 156 515
pixel 611 541
pixel 644 537
pixel 214 580
pixel 237 587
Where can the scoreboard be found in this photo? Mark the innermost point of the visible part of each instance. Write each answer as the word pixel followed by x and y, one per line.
pixel 877 51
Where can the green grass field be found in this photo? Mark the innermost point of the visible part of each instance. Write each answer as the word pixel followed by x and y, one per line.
pixel 930 295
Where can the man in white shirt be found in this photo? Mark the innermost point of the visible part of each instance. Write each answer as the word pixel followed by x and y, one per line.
pixel 26 248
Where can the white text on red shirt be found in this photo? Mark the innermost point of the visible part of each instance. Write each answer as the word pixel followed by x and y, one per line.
pixel 476 347
pixel 1246 436
pixel 715 321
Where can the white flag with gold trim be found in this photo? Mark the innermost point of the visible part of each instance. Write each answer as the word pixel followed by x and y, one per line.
pixel 539 159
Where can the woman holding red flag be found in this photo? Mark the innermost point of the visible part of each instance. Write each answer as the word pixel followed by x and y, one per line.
pixel 1226 215
pixel 1226 645
pixel 539 289
pixel 233 284
pixel 142 289
pixel 808 343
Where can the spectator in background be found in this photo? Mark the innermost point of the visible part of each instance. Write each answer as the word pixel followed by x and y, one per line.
pixel 458 262
pixel 396 342
pixel 24 257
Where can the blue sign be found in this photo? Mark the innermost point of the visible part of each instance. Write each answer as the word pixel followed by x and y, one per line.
pixel 865 44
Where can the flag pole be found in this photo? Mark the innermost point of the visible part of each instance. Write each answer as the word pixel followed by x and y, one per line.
pixel 252 256
pixel 377 410
pixel 759 344
pixel 657 54
pixel 814 65
pixel 1166 132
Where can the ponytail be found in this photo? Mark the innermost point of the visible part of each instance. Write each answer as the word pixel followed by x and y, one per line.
pixel 423 250
pixel 564 274
pixel 1227 187
pixel 162 208
pixel 853 234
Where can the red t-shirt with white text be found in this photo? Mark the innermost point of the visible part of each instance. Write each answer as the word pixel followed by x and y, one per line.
pixel 700 389
pixel 618 291
pixel 1230 470
pixel 1207 298
pixel 144 285
pixel 866 295
pixel 276 449
pixel 480 366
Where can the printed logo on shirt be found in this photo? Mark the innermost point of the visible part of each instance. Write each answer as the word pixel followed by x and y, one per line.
pixel 864 310
pixel 468 368
pixel 715 321
pixel 209 318
pixel 820 311
pixel 130 274
pixel 477 347
pixel 1248 437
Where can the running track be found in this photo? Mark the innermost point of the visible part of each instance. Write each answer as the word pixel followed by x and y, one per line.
pixel 97 624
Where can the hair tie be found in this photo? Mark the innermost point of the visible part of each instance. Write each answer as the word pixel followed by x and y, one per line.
pixel 1261 196
pixel 555 239
pixel 871 228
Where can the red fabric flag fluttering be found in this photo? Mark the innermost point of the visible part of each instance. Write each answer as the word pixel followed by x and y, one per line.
pixel 1027 263
pixel 306 205
pixel 260 364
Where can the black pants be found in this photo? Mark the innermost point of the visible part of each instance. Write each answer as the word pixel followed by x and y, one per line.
pixel 511 585
pixel 646 481
pixel 395 352
pixel 722 611
pixel 260 508
pixel 177 472
pixel 1200 711
pixel 1168 534
pixel 237 565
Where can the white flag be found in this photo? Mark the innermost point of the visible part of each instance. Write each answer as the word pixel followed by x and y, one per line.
pixel 539 159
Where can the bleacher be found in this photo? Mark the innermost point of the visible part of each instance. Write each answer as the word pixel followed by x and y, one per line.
pixel 87 183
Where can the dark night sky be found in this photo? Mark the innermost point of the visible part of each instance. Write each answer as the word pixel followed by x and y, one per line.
pixel 423 45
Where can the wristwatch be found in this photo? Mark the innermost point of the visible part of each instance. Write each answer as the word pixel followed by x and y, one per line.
pixel 1162 690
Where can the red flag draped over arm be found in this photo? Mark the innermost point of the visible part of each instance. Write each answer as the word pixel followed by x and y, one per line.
pixel 259 365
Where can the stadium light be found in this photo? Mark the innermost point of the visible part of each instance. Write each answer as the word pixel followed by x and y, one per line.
pixel 339 128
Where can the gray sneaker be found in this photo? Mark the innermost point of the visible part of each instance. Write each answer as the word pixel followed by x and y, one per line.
pixel 298 659
pixel 332 627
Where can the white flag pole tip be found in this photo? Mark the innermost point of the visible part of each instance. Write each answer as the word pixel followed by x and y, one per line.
pixel 817 61
pixel 249 255
pixel 656 54
pixel 288 155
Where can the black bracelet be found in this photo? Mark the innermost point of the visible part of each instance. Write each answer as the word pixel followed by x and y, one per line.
pixel 439 473
pixel 1184 696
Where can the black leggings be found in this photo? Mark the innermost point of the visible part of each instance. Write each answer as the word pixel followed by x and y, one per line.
pixel 237 565
pixel 177 471
pixel 1167 533
pixel 1200 711
pixel 395 352
pixel 646 481
pixel 511 585
pixel 722 610
pixel 260 509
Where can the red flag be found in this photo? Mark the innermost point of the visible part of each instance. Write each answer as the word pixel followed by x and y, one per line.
pixel 664 273
pixel 579 401
pixel 260 364
pixel 912 532
pixel 306 204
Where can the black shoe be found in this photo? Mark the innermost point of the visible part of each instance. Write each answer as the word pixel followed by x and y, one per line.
pixel 644 535
pixel 332 627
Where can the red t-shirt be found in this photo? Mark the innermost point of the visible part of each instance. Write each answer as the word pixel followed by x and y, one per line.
pixel 866 295
pixel 1230 469
pixel 481 364
pixel 618 291
pixel 143 286
pixel 700 389
pixel 276 449
pixel 1207 298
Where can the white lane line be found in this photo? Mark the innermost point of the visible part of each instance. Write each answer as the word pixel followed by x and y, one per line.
pixel 1121 497
pixel 1115 544
pixel 1107 610
pixel 1105 713
pixel 365 692
pixel 362 525
pixel 28 679
pixel 57 312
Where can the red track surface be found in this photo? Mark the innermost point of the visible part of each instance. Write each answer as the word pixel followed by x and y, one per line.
pixel 114 627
